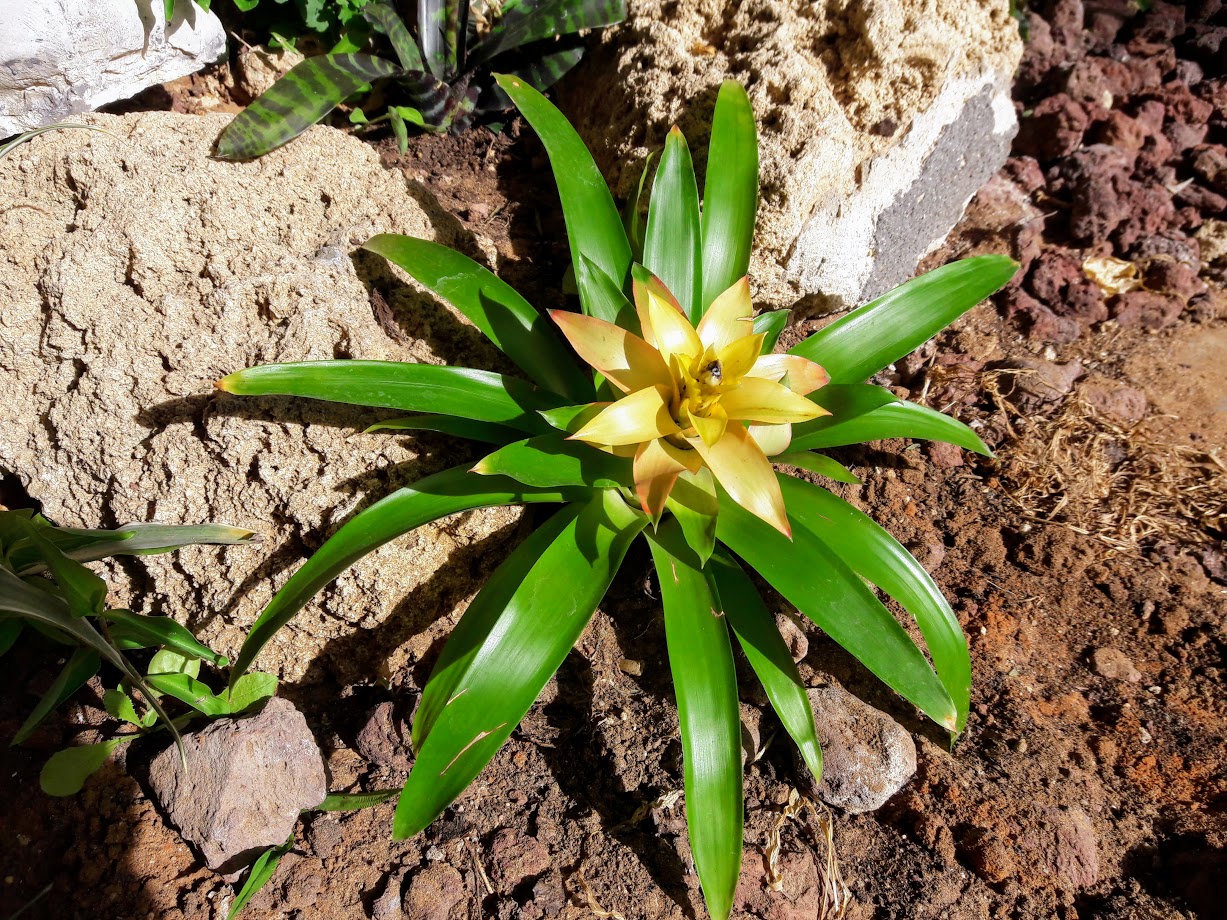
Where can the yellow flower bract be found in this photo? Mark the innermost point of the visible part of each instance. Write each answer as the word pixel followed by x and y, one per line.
pixel 696 397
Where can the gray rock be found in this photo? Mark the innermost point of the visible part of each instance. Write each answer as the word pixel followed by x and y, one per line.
pixel 246 781
pixel 62 57
pixel 877 122
pixel 433 892
pixel 134 281
pixel 388 906
pixel 866 755
pixel 794 635
pixel 384 739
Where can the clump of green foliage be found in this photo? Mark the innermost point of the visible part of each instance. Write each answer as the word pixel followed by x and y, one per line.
pixel 45 587
pixel 669 433
pixel 442 77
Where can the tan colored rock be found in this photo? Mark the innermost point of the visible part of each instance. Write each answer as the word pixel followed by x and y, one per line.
pixel 135 271
pixel 878 121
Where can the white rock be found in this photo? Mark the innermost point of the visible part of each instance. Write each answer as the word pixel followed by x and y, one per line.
pixel 62 57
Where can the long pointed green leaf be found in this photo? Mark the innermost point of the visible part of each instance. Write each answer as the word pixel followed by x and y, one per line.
pixel 512 638
pixel 149 632
pixel 427 500
pixel 730 192
pixel 893 420
pixel 536 20
pixel 772 324
pixel 353 801
pixel 768 655
pixel 634 214
pixel 493 306
pixel 187 689
pixel 261 871
pixel 84 591
pixel 594 228
pixel 823 587
pixel 128 540
pixel 460 391
pixel 308 91
pixel 857 346
pixel 72 677
pixel 449 424
pixel 818 463
pixel 606 299
pixel 879 558
pixel 705 682
pixel 672 249
pixel 551 461
pixel 384 17
pixel 693 502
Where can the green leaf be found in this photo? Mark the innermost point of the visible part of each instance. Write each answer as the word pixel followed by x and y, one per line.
pixel 427 500
pixel 693 503
pixel 399 129
pixel 672 249
pixel 250 689
pixel 511 639
pixel 128 540
pixel 823 587
pixel 168 10
pixel 10 630
pixel 83 591
pixel 768 655
pixel 705 682
pixel 459 391
pixel 384 18
pixel 730 192
pixel 352 801
pixel 818 463
pixel 894 420
pixel 20 599
pixel 66 771
pixel 570 418
pixel 261 871
pixel 880 559
pixel 148 632
pixel 772 325
pixel 857 346
pixel 72 677
pixel 189 690
pixel 308 91
pixel 119 705
pixel 171 662
pixel 606 300
pixel 594 228
pixel 493 306
pixel 550 461
pixel 449 424
pixel 537 21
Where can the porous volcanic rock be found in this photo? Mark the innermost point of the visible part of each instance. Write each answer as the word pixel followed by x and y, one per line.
pixel 135 272
pixel 877 122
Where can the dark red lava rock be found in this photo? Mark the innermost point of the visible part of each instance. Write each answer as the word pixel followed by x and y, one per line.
pixel 1053 130
pixel 1147 309
pixel 1170 277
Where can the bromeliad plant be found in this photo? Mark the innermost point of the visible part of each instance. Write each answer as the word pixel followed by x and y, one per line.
pixel 673 439
pixel 447 53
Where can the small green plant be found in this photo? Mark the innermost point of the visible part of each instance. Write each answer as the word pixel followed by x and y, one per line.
pixel 46 587
pixel 670 434
pixel 443 79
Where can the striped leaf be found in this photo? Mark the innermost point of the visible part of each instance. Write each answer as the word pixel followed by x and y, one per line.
pixel 309 91
pixel 537 20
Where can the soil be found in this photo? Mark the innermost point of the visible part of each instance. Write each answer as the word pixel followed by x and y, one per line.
pixel 1085 562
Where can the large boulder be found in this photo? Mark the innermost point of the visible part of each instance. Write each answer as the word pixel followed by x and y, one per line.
pixel 135 271
pixel 877 121
pixel 62 57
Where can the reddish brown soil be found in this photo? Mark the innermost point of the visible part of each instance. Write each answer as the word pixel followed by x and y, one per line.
pixel 1091 781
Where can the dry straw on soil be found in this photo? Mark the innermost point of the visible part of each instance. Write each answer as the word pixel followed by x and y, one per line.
pixel 1124 485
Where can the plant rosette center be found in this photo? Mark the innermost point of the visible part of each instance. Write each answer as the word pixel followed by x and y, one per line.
pixel 695 396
